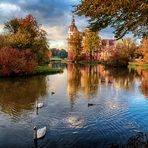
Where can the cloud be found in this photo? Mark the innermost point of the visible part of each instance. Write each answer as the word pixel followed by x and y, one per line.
pixel 8 11
pixel 57 36
pixel 1 28
pixel 54 15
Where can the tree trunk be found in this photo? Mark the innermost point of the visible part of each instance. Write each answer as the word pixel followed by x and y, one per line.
pixel 90 55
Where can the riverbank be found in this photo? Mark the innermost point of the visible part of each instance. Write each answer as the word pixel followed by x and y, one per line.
pixel 90 62
pixel 57 59
pixel 136 64
pixel 105 63
pixel 109 64
pixel 40 70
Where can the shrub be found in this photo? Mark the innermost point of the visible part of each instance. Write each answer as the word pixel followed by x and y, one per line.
pixel 16 62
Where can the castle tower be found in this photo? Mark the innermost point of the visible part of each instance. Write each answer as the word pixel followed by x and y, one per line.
pixel 72 32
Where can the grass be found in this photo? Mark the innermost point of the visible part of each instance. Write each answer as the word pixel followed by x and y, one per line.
pixel 89 62
pixel 136 64
pixel 47 70
pixel 55 59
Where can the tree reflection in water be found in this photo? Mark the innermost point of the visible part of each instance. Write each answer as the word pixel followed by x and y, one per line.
pixel 19 94
pixel 81 78
pixel 88 78
pixel 140 140
pixel 144 82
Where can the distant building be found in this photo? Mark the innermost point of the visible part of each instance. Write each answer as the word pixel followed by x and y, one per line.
pixel 106 44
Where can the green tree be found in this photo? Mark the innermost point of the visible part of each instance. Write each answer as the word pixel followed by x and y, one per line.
pixel 90 42
pixel 123 15
pixel 62 53
pixel 12 25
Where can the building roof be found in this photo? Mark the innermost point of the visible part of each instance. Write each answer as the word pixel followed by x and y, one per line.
pixel 73 27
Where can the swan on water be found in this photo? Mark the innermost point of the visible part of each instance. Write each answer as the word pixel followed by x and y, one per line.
pixel 40 105
pixel 39 133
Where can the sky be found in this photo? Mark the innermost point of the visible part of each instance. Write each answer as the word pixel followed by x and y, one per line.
pixel 53 15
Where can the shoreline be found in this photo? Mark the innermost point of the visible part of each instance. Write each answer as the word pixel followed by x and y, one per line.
pixel 40 70
pixel 136 64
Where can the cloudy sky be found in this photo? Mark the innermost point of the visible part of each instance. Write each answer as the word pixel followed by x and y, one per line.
pixel 54 15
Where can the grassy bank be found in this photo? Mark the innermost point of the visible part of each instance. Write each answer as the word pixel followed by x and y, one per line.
pixel 40 70
pixel 136 64
pixel 105 63
pixel 89 62
pixel 55 59
pixel 47 70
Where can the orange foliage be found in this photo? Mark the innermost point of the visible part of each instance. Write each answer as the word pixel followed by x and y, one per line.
pixel 13 61
pixel 144 49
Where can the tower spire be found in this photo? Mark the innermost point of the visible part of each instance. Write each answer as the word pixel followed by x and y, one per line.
pixel 73 19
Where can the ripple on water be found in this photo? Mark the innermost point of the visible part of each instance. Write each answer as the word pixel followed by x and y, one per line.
pixel 74 121
pixel 131 125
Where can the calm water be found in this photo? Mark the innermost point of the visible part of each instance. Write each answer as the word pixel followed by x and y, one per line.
pixel 118 107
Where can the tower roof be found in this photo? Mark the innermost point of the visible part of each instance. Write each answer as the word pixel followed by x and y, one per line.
pixel 73 27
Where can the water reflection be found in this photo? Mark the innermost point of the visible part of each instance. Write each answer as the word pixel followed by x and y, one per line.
pixel 90 78
pixel 144 81
pixel 82 78
pixel 55 64
pixel 20 94
pixel 74 121
pixel 108 106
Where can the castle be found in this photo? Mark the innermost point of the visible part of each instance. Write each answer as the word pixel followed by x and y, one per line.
pixel 75 45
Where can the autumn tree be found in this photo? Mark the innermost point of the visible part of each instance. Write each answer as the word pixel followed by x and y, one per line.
pixel 4 40
pixel 123 15
pixel 26 33
pixel 90 42
pixel 12 25
pixel 144 50
pixel 123 53
pixel 128 47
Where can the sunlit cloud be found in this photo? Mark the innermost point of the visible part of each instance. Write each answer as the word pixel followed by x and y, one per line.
pixel 55 32
pixel 7 8
pixel 8 11
pixel 58 44
pixel 1 28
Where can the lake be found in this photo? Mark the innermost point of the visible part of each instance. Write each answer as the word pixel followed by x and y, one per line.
pixel 92 107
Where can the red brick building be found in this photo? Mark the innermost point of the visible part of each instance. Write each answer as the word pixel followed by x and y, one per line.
pixel 107 45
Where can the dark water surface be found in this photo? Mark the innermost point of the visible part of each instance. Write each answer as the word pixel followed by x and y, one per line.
pixel 92 107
